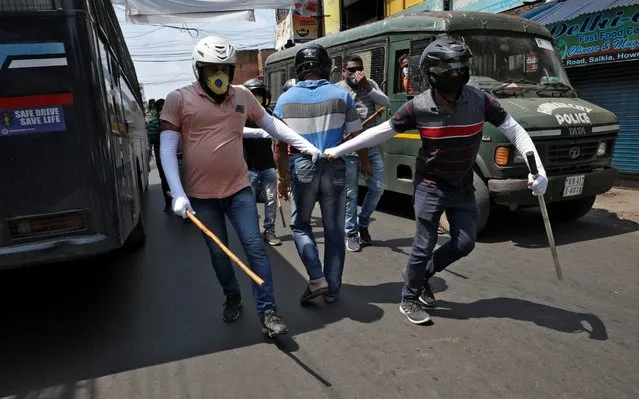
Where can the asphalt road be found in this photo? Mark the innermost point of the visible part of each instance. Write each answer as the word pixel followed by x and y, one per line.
pixel 147 324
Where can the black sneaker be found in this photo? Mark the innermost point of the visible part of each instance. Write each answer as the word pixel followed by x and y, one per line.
pixel 314 290
pixel 427 297
pixel 414 311
pixel 352 244
pixel 272 324
pixel 271 239
pixel 167 209
pixel 232 308
pixel 365 236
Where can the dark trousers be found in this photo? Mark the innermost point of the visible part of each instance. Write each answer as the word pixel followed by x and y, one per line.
pixel 429 203
pixel 241 210
pixel 165 185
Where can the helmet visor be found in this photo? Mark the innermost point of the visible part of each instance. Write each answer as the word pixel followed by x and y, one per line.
pixel 445 68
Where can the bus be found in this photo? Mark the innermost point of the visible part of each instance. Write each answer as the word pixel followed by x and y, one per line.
pixel 514 60
pixel 74 163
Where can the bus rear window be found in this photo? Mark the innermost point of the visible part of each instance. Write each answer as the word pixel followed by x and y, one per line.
pixel 33 57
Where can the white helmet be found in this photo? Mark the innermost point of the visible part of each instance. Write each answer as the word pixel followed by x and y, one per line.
pixel 212 50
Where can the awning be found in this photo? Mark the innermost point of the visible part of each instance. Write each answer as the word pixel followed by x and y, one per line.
pixel 564 10
pixel 203 11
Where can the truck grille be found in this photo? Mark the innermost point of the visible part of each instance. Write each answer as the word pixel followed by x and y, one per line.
pixel 568 169
pixel 572 152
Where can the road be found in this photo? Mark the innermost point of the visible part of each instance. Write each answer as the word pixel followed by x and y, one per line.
pixel 147 324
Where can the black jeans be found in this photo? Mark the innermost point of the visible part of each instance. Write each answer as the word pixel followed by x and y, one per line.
pixel 165 185
pixel 429 203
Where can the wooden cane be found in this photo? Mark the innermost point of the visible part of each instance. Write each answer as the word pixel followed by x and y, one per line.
pixel 227 251
pixel 369 119
pixel 374 116
pixel 279 205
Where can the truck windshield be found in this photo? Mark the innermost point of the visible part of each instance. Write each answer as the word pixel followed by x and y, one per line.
pixel 516 66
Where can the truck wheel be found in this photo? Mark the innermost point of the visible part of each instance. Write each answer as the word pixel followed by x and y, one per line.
pixel 571 210
pixel 482 196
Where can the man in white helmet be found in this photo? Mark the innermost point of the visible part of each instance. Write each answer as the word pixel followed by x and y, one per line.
pixel 209 116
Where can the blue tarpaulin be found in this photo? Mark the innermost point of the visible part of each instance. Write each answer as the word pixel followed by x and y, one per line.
pixel 564 10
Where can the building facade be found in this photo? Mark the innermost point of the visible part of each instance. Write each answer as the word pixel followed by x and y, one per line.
pixel 598 42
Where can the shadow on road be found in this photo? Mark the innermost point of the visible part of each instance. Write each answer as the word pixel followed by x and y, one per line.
pixel 83 320
pixel 86 319
pixel 517 309
pixel 526 228
pixel 81 389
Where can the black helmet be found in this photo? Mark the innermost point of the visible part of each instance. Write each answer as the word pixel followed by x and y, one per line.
pixel 312 58
pixel 443 55
pixel 289 83
pixel 257 87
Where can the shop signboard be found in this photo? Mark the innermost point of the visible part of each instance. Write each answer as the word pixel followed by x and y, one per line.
pixel 427 5
pixel 304 29
pixel 597 38
pixel 493 6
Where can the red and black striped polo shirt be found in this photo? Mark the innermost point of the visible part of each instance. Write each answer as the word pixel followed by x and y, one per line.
pixel 450 142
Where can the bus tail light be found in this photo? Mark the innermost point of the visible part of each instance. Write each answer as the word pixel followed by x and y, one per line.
pixel 502 156
pixel 43 225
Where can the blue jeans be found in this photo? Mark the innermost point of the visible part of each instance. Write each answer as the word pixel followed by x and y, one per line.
pixel 267 179
pixel 241 210
pixel 323 181
pixel 375 185
pixel 430 202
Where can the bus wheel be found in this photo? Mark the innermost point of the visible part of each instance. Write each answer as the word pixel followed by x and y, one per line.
pixel 137 238
pixel 482 196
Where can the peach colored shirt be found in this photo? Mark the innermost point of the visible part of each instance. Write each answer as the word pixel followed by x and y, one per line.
pixel 212 146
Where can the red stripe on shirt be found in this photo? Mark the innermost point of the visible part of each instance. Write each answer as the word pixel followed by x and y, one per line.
pixel 37 101
pixel 445 132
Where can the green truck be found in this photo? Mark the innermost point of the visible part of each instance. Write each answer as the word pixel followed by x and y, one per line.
pixel 515 61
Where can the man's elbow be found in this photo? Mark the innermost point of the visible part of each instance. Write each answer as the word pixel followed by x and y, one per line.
pixel 383 101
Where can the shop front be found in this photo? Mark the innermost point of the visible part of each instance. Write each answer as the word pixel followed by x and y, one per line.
pixel 598 42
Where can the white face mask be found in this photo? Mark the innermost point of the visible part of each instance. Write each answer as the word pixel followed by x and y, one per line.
pixel 405 70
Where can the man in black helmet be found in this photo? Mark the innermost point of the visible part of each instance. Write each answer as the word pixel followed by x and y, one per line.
pixel 323 114
pixel 258 154
pixel 449 116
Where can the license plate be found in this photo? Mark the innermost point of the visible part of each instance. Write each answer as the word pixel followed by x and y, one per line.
pixel 574 185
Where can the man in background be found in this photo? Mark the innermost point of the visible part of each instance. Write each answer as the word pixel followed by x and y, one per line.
pixel 367 95
pixel 153 131
pixel 258 154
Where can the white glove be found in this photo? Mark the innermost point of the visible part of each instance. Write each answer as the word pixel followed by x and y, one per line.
pixel 315 155
pixel 538 185
pixel 181 205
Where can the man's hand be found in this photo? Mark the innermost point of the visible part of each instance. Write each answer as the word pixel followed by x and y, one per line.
pixel 315 154
pixel 360 79
pixel 283 188
pixel 181 205
pixel 538 185
pixel 329 153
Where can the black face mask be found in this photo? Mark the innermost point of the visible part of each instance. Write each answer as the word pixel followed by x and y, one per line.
pixel 449 84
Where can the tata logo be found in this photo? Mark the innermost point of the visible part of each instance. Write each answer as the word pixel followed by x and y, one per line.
pixel 574 152
pixel 577 131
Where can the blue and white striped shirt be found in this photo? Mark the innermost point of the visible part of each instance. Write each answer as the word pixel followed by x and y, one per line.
pixel 319 111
